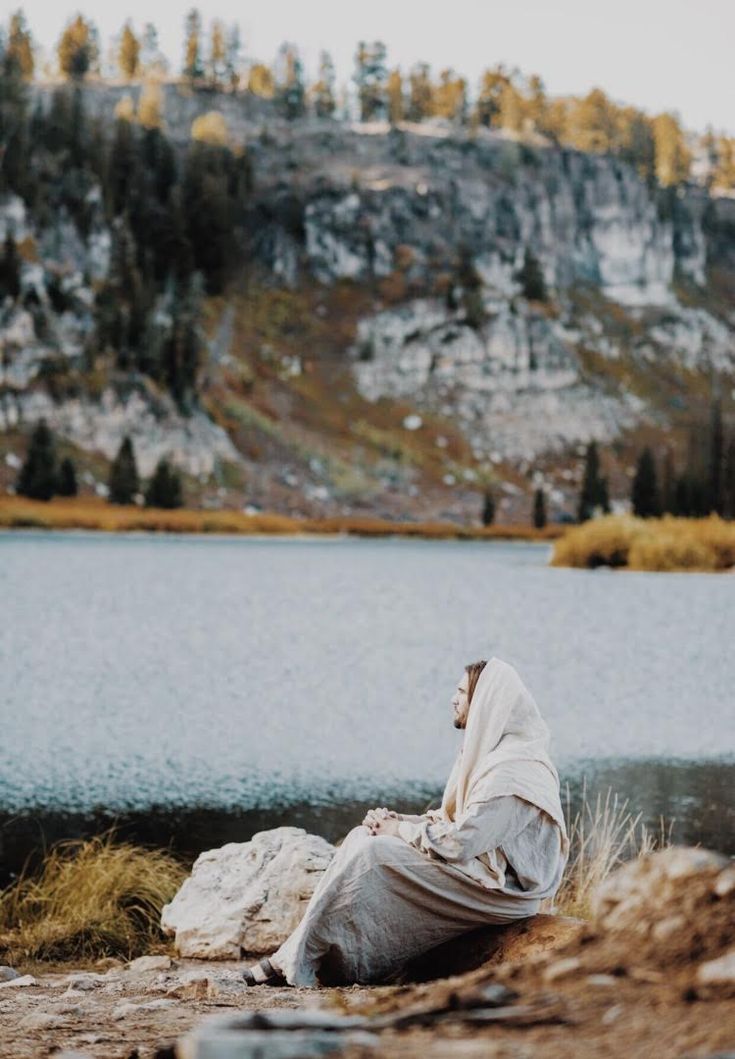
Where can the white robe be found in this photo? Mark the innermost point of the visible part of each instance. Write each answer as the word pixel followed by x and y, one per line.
pixel 491 854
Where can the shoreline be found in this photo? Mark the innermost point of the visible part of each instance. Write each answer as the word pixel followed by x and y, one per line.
pixel 97 516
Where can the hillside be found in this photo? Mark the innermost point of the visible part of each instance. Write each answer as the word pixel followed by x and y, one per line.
pixel 414 311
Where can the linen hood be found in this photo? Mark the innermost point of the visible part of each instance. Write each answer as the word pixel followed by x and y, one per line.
pixel 505 749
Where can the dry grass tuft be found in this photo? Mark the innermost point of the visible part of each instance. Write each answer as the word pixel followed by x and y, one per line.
pixel 666 544
pixel 90 513
pixel 92 898
pixel 603 835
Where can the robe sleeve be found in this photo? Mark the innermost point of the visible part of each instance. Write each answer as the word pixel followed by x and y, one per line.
pixel 484 826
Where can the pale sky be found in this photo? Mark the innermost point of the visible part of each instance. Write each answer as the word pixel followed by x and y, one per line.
pixel 657 54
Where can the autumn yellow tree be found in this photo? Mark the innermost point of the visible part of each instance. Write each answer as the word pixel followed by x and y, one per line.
pixel 512 108
pixel 673 158
pixel 150 106
pixel 78 48
pixel 394 91
pixel 420 93
pixel 492 84
pixel 591 122
pixel 261 81
pixel 450 96
pixel 20 46
pixel 128 56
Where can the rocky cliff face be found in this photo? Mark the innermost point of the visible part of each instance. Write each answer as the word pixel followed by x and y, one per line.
pixel 431 227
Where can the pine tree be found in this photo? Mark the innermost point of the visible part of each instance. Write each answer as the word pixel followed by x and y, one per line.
pixel 78 48
pixel 370 78
pixel 129 54
pixel 488 508
pixel 645 497
pixel 716 459
pixel 216 66
pixel 668 485
pixel 10 268
pixel 38 475
pixel 539 508
pixel 728 481
pixel 323 90
pixel 164 489
pixel 193 66
pixel 531 278
pixel 233 48
pixel 67 478
pixel 150 55
pixel 123 482
pixel 290 92
pixel 594 493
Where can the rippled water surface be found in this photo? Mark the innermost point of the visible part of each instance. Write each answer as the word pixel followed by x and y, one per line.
pixel 241 673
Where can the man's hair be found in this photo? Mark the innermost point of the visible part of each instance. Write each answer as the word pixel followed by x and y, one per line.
pixel 473 675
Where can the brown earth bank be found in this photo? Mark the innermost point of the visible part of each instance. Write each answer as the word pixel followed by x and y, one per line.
pixel 654 971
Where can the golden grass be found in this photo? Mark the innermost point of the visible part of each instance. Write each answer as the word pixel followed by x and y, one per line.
pixel 666 544
pixel 93 513
pixel 92 898
pixel 603 835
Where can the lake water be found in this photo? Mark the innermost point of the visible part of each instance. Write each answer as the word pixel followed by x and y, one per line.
pixel 229 682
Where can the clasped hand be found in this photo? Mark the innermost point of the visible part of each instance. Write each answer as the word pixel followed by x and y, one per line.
pixel 382 821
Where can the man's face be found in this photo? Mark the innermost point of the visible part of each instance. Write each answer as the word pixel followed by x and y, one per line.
pixel 460 703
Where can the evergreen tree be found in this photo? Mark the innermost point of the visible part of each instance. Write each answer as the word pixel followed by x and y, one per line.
pixel 151 59
pixel 531 278
pixel 594 494
pixel 668 485
pixel 290 92
pixel 539 509
pixel 645 495
pixel 728 481
pixel 370 78
pixel 469 283
pixel 128 56
pixel 67 478
pixel 123 482
pixel 233 48
pixel 217 64
pixel 488 508
pixel 78 48
pixel 193 65
pixel 38 475
pixel 323 90
pixel 10 269
pixel 164 489
pixel 716 459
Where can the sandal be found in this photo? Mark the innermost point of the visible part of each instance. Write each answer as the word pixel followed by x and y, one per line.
pixel 263 973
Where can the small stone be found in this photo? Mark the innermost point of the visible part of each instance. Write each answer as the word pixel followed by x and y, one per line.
pixel 602 980
pixel 122 1011
pixel 7 974
pixel 85 983
pixel 666 928
pixel 150 963
pixel 612 1014
pixel 562 969
pixel 195 987
pixel 724 884
pixel 19 982
pixel 41 1020
pixel 718 973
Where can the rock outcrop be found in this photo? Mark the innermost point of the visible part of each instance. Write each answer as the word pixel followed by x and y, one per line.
pixel 247 896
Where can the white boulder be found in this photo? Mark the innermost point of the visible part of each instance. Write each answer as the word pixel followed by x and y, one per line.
pixel 246 896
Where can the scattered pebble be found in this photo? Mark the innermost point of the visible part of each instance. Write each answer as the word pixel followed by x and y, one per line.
pixel 21 980
pixel 562 969
pixel 150 963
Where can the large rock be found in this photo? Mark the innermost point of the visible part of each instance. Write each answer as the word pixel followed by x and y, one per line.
pixel 524 940
pixel 649 892
pixel 247 896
